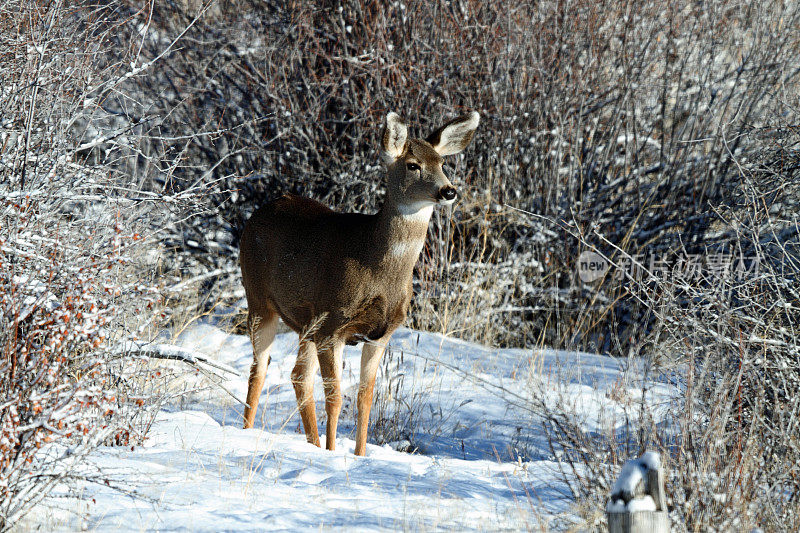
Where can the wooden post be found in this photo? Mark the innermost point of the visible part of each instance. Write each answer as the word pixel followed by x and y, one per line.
pixel 638 503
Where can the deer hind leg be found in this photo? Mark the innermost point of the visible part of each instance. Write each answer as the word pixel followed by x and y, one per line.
pixel 263 327
pixel 303 380
pixel 371 355
pixel 330 363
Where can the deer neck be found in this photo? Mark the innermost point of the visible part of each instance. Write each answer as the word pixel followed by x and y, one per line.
pixel 405 227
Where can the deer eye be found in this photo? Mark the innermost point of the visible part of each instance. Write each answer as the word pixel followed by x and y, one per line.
pixel 412 167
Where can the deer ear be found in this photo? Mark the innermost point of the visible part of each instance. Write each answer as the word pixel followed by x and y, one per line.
pixel 393 140
pixel 455 135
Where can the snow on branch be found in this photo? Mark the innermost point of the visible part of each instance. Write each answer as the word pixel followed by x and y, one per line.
pixel 173 353
pixel 176 353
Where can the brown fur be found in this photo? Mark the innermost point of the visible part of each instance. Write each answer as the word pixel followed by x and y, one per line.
pixel 287 268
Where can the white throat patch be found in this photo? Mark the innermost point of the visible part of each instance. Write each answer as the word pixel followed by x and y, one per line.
pixel 406 248
pixel 419 212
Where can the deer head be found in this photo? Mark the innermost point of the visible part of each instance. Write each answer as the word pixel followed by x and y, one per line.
pixel 415 180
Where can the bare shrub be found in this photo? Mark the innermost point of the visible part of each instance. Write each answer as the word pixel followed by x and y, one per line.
pixel 77 272
pixel 725 337
pixel 616 116
pixel 64 296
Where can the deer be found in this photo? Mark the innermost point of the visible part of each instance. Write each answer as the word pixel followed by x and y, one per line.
pixel 343 278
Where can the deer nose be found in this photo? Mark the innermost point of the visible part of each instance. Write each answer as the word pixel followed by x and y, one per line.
pixel 448 193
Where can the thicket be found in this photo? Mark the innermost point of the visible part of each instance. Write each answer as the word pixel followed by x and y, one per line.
pixel 79 286
pixel 646 131
pixel 616 117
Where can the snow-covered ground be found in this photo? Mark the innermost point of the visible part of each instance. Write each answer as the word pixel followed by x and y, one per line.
pixel 481 461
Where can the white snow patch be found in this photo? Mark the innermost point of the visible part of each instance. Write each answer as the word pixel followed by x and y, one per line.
pixel 633 476
pixel 646 503
pixel 200 471
pixel 641 504
pixel 630 476
pixel 650 460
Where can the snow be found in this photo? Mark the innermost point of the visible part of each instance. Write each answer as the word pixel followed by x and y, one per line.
pixel 641 504
pixel 629 478
pixel 458 404
pixel 645 503
pixel 650 460
pixel 630 491
pixel 616 506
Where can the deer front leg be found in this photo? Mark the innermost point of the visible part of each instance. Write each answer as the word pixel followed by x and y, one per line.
pixel 330 364
pixel 371 355
pixel 303 381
